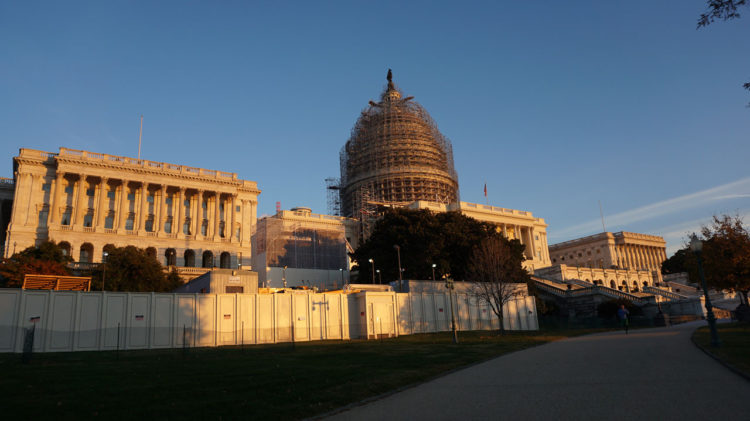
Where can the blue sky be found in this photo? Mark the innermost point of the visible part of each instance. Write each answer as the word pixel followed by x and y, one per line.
pixel 555 105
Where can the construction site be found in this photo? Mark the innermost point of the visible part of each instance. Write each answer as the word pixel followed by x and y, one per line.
pixel 395 156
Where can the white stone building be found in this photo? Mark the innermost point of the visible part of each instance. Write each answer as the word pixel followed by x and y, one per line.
pixel 187 217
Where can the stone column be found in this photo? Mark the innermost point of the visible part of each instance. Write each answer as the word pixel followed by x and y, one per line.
pixel 230 217
pixel 122 210
pixel 162 209
pixel 31 213
pixel 56 198
pixel 180 210
pixel 78 211
pixel 217 214
pixel 197 215
pixel 102 209
pixel 143 209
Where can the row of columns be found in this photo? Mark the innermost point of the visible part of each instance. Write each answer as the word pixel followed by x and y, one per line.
pixel 635 256
pixel 527 237
pixel 101 207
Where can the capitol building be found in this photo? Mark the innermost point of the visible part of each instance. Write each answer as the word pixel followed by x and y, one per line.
pixel 195 219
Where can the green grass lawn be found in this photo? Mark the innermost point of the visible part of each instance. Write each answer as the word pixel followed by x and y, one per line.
pixel 735 344
pixel 257 382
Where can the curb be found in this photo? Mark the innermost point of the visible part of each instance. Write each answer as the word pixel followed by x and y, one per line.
pixel 719 360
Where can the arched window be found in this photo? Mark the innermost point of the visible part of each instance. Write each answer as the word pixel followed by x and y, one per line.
pixel 87 252
pixel 65 246
pixel 171 257
pixel 224 260
pixel 612 284
pixel 645 283
pixel 189 258
pixel 208 259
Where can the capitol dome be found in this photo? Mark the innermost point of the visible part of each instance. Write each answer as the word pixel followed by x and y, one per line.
pixel 395 156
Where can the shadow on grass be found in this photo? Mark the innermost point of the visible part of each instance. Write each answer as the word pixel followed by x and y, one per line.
pixel 262 381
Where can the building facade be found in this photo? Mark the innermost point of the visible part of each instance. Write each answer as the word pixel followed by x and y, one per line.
pixel 607 250
pixel 622 279
pixel 187 217
pixel 514 224
pixel 299 248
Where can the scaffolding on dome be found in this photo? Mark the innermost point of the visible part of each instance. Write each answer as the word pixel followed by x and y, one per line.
pixel 396 155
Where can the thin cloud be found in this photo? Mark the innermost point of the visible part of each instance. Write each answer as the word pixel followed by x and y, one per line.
pixel 734 190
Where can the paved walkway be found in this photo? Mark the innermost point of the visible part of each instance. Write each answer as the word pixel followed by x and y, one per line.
pixel 651 374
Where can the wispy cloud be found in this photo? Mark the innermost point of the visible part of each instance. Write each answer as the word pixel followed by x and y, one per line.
pixel 734 190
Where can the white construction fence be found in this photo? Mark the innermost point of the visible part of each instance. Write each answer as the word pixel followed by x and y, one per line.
pixel 90 321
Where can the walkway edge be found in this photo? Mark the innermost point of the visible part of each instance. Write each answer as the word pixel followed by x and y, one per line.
pixel 719 360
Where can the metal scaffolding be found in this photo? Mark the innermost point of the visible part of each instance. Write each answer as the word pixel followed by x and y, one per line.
pixel 395 155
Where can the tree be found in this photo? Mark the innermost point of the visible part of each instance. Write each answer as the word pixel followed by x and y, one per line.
pixel 496 271
pixel 676 263
pixel 724 10
pixel 132 269
pixel 726 255
pixel 424 238
pixel 45 259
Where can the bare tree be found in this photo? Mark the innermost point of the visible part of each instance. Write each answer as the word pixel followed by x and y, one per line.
pixel 496 271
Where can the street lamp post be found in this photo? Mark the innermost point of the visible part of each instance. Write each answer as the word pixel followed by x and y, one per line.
pixel 372 264
pixel 433 272
pixel 449 284
pixel 400 281
pixel 380 277
pixel 104 268
pixel 283 276
pixel 696 246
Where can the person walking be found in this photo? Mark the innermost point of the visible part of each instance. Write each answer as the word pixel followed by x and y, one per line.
pixel 623 314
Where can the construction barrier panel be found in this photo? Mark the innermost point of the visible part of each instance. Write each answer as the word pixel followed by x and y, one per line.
pixel 89 321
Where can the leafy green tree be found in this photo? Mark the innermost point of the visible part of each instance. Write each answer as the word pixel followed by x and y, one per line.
pixel 132 269
pixel 45 259
pixel 424 238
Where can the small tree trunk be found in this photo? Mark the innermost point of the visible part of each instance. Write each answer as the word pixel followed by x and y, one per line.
pixel 500 320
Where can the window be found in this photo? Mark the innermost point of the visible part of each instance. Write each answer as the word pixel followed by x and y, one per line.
pixel 68 189
pixel 238 234
pixel 186 203
pixel 129 223
pixel 90 192
pixel 204 228
pixel 168 226
pixel 150 225
pixel 186 227
pixel 234 289
pixel 536 238
pixel 168 200
pixel 109 221
pixel 237 209
pixel 46 187
pixel 111 195
pixel 66 217
pixel 150 198
pixel 88 220
pixel 131 196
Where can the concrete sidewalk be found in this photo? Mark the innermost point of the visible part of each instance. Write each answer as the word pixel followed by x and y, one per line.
pixel 649 374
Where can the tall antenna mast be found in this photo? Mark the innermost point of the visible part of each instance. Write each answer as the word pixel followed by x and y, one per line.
pixel 140 136
pixel 602 215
